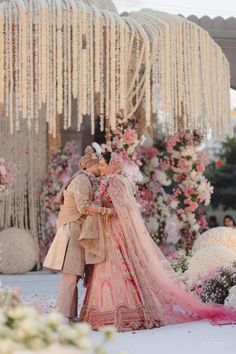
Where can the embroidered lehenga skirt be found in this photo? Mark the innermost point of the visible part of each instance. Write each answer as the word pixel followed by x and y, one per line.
pixel 113 296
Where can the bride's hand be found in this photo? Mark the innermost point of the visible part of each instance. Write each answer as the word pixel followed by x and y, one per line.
pixel 112 212
pixel 89 211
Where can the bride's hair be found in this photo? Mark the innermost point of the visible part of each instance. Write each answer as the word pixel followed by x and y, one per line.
pixel 107 156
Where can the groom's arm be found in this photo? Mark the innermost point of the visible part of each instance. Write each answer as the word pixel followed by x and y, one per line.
pixel 83 193
pixel 83 197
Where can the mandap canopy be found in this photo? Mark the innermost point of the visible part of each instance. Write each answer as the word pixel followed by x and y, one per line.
pixel 57 52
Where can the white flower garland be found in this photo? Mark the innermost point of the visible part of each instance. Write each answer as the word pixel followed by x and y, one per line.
pixel 166 68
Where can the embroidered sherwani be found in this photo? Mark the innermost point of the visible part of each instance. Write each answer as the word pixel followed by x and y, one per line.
pixel 66 253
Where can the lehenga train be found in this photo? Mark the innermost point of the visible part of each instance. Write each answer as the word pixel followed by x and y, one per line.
pixel 135 286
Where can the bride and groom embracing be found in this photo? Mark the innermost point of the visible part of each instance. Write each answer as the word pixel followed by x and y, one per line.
pixel 130 283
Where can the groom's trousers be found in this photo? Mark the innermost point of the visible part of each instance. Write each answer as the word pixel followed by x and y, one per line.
pixel 67 296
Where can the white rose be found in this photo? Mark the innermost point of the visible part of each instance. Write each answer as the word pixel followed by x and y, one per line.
pixel 51 336
pixel 193 174
pixel 67 333
pixel 84 343
pixel 154 162
pixel 6 332
pixel 231 298
pixel 3 318
pixel 174 204
pixel 54 319
pixel 7 346
pixel 152 224
pixel 82 329
pixel 188 151
pixel 21 312
pixel 36 343
pixel 145 180
pixel 27 328
pixel 167 182
pixel 108 331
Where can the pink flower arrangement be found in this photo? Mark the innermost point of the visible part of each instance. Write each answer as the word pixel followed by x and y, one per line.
pixel 189 189
pixel 129 136
pixel 173 181
pixel 151 152
pixel 8 172
pixel 171 143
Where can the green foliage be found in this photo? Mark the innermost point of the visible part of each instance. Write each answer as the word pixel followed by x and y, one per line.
pixel 215 287
pixel 223 178
pixel 228 154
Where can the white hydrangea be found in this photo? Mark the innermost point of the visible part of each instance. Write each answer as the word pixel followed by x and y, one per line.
pixel 152 224
pixel 54 319
pixel 154 162
pixel 231 298
pixel 189 151
pixel 207 259
pixel 222 236
pixel 108 331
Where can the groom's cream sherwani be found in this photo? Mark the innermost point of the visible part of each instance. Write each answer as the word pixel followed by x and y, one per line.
pixel 65 253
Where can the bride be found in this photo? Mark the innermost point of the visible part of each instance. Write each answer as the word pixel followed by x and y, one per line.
pixel 135 287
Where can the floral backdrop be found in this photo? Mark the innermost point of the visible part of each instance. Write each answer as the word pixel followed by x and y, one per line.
pixel 170 179
pixel 172 190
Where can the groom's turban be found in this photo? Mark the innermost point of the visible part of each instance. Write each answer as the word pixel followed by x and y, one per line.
pixel 88 159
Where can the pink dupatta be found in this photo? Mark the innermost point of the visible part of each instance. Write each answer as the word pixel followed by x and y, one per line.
pixel 164 294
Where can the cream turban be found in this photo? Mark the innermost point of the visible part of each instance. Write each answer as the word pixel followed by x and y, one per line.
pixel 88 159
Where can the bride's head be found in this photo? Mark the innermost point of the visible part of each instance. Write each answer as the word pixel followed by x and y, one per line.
pixel 110 164
pixel 104 163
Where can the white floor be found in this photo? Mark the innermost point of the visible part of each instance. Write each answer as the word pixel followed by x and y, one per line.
pixel 190 338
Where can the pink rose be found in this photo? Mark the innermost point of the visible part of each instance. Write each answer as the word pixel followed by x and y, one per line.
pixel 180 212
pixel 3 170
pixel 192 207
pixel 129 136
pixel 147 195
pixel 172 141
pixel 200 167
pixel 199 290
pixel 183 164
pixel 151 152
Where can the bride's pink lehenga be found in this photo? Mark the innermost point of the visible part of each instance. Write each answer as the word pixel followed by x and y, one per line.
pixel 135 287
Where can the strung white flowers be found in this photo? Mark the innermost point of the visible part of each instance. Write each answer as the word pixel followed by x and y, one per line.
pixel 57 52
pixel 190 74
pixel 54 51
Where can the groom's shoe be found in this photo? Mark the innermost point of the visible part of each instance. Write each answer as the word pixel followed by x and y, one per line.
pixel 74 320
pixel 66 320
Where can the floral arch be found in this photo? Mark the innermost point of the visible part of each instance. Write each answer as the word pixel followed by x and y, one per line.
pixel 55 52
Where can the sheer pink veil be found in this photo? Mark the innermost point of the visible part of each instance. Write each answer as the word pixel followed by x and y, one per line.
pixel 116 165
pixel 164 295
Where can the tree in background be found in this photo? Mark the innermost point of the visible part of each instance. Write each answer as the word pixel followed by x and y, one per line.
pixel 222 175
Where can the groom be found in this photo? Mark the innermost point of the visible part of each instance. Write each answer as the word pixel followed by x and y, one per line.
pixel 65 253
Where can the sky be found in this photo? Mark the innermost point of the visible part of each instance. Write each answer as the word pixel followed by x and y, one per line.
pixel 226 8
